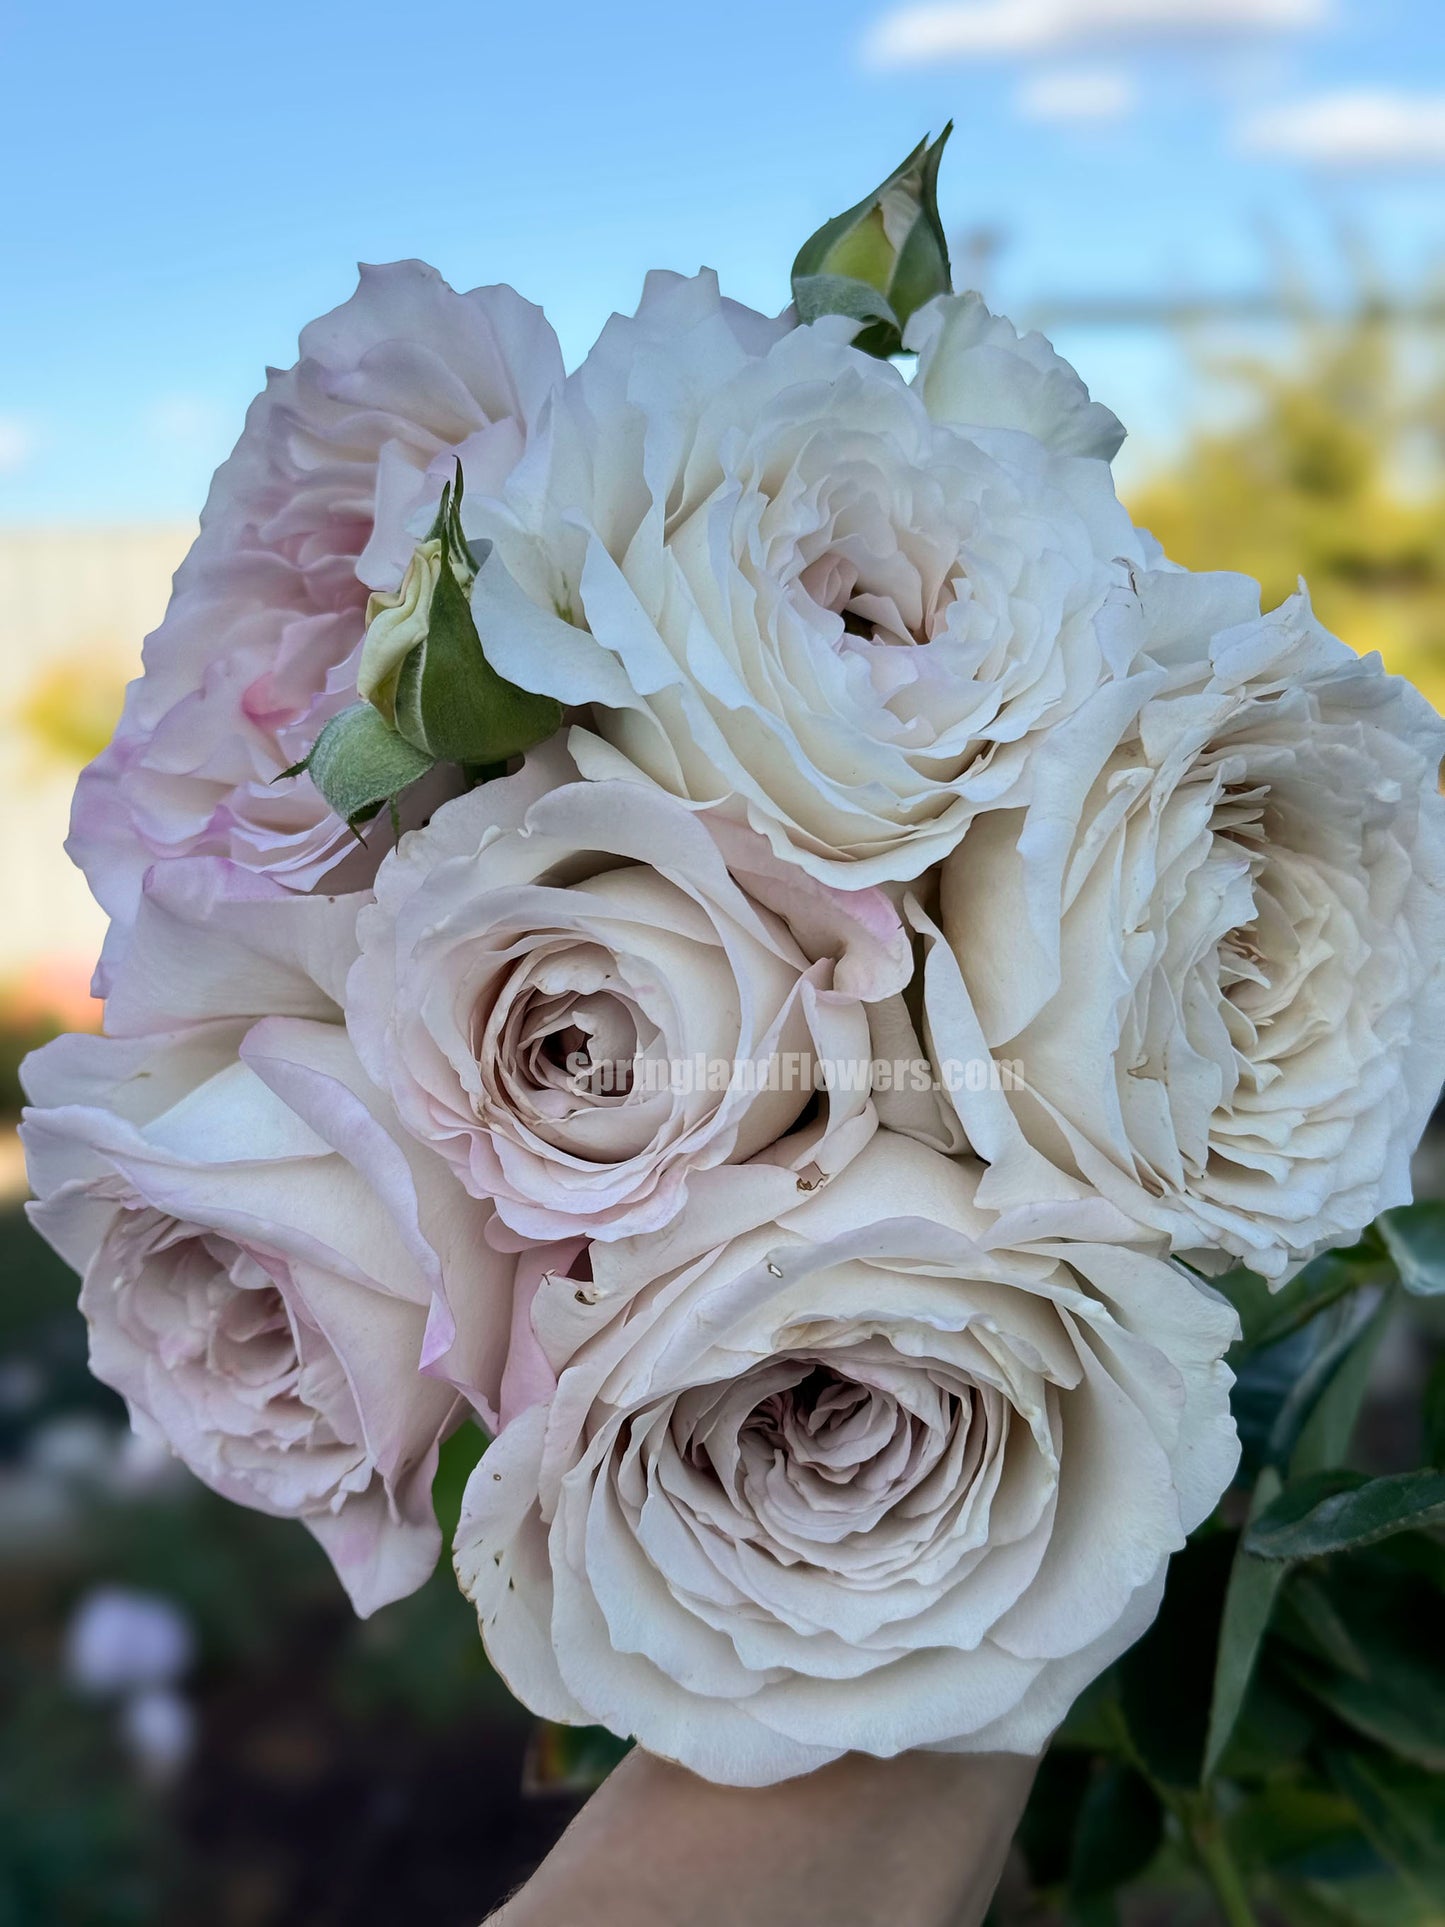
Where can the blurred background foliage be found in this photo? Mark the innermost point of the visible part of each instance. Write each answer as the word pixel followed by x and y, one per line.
pixel 1332 468
pixel 1273 1751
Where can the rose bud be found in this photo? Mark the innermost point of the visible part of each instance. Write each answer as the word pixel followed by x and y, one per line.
pixel 882 259
pixel 429 694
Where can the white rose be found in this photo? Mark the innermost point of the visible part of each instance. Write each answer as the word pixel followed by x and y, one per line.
pixel 266 1256
pixel 550 963
pixel 1213 948
pixel 975 368
pixel 792 584
pixel 861 1478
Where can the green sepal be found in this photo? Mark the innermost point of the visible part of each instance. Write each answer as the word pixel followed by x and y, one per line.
pixel 359 765
pixel 820 294
pixel 923 270
pixel 447 528
pixel 450 702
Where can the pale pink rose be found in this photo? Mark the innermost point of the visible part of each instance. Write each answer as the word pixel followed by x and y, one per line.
pixel 339 456
pixel 268 1258
pixel 547 962
pixel 850 1471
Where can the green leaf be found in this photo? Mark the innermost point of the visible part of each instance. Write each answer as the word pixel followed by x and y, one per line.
pixel 1414 1236
pixel 1403 1811
pixel 1254 1585
pixel 1279 1386
pixel 1166 1704
pixel 1322 1437
pixel 891 242
pixel 1302 1832
pixel 1100 1911
pixel 1420 1553
pixel 1391 1612
pixel 1397 1707
pixel 358 764
pixel 453 704
pixel 1046 1832
pixel 1313 1907
pixel 1278 1723
pixel 1334 1512
pixel 1432 1416
pixel 570 1759
pixel 1091 1723
pixel 456 1462
pixel 1310 1618
pixel 1120 1826
pixel 1267 1315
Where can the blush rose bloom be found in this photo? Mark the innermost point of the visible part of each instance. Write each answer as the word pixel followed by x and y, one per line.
pixel 844 607
pixel 859 1478
pixel 261 642
pixel 265 1253
pixel 548 964
pixel 1214 946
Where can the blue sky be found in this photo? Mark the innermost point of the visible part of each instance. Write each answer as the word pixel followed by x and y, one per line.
pixel 186 185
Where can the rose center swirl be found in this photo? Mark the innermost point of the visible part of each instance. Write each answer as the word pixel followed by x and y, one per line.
pixel 213 1310
pixel 863 1457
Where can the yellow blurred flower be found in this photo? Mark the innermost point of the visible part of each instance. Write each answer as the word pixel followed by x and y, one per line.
pixel 68 712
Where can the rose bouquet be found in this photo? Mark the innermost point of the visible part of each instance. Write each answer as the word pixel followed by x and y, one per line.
pixel 727 919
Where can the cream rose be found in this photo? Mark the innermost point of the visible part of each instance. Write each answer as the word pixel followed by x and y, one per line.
pixel 1214 945
pixel 265 1255
pixel 845 608
pixel 558 978
pixel 859 1478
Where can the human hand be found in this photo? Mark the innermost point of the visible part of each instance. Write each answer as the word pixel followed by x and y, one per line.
pixel 917 1841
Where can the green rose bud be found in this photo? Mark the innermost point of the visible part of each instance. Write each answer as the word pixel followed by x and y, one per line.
pixel 883 259
pixel 429 695
pixel 424 667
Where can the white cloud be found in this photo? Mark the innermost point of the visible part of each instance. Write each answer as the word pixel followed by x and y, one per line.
pixel 1077 95
pixel 17 445
pixel 972 29
pixel 1364 128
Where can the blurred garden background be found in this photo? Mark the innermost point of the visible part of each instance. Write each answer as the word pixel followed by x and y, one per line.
pixel 1231 217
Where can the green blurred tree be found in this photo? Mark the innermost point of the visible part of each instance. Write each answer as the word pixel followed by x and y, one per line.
pixel 1335 472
